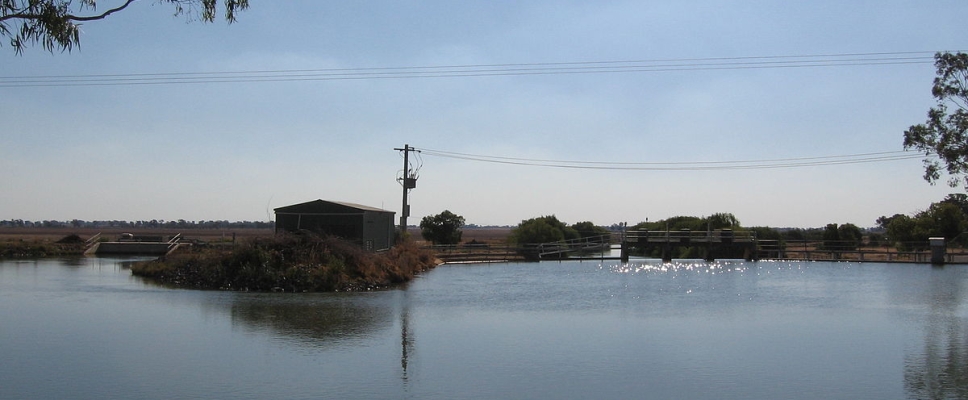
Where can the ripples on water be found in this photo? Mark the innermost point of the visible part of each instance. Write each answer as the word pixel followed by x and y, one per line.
pixel 712 267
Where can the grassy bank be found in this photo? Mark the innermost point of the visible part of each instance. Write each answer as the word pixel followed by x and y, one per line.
pixel 291 263
pixel 71 245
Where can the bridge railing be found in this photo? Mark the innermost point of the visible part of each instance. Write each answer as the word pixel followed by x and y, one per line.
pixel 590 243
pixel 686 236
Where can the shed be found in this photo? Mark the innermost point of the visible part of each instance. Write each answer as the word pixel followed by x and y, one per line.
pixel 370 227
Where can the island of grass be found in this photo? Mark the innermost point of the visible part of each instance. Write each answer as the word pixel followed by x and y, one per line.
pixel 289 263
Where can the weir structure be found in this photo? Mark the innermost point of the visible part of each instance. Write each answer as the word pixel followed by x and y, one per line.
pixel 134 245
pixel 711 245
pixel 722 244
pixel 716 244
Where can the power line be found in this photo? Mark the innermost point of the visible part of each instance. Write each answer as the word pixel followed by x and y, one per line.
pixel 684 165
pixel 477 70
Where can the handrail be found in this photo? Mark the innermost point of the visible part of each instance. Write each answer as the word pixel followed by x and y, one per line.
pixel 92 240
pixel 173 242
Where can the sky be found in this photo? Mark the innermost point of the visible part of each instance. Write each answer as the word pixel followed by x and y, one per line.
pixel 644 107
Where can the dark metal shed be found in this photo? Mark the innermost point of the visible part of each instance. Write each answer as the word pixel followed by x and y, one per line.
pixel 371 227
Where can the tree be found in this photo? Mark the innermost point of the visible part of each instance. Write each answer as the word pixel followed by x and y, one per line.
pixel 443 228
pixel 842 237
pixel 958 199
pixel 942 219
pixel 943 137
pixel 899 229
pixel 712 222
pixel 542 230
pixel 831 237
pixel 673 224
pixel 945 218
pixel 55 24
pixel 586 229
pixel 850 236
pixel 722 221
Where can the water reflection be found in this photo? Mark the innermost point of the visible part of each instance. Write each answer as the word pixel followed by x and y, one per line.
pixel 326 321
pixel 312 320
pixel 635 330
pixel 74 262
pixel 406 338
pixel 940 369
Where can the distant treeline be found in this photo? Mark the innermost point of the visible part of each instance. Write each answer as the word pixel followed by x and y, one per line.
pixel 155 223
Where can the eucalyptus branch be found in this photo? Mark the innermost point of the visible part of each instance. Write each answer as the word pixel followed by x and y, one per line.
pixel 53 23
pixel 102 15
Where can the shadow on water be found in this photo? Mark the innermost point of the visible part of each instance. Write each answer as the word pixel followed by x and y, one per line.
pixel 939 370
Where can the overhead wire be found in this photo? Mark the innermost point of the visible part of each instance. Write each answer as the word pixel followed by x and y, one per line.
pixel 684 165
pixel 476 70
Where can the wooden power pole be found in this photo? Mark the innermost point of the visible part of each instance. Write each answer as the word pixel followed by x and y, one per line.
pixel 408 181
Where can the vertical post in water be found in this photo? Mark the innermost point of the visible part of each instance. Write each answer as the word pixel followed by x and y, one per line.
pixel 624 247
pixel 938 250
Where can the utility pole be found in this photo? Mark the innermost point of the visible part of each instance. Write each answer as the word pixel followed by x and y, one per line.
pixel 408 181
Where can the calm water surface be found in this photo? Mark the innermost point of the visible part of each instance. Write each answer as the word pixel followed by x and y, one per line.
pixel 87 329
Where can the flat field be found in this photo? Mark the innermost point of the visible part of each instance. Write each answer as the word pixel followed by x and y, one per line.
pixel 495 236
pixel 490 235
pixel 55 234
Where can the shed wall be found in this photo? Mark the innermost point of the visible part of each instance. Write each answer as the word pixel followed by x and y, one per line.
pixel 370 228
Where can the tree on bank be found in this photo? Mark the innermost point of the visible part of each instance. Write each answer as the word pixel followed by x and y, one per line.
pixel 944 136
pixel 55 24
pixel 544 229
pixel 587 229
pixel 842 237
pixel 443 228
pixel 946 218
pixel 712 222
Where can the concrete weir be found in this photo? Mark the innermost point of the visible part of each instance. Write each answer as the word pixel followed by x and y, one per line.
pixel 135 246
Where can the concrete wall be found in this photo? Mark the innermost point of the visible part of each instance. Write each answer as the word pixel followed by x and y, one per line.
pixel 131 248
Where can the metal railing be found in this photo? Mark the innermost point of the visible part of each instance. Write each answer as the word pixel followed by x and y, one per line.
pixel 173 242
pixel 819 250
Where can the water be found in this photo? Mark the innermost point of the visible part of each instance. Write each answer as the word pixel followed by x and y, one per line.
pixel 87 329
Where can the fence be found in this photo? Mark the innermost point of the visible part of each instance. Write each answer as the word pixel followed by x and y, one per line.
pixel 815 250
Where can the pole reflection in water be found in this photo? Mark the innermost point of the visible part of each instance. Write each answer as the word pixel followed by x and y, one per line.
pixel 406 338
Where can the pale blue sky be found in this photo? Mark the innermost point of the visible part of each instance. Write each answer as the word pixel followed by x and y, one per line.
pixel 232 151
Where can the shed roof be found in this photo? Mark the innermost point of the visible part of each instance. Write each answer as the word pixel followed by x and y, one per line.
pixel 325 206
